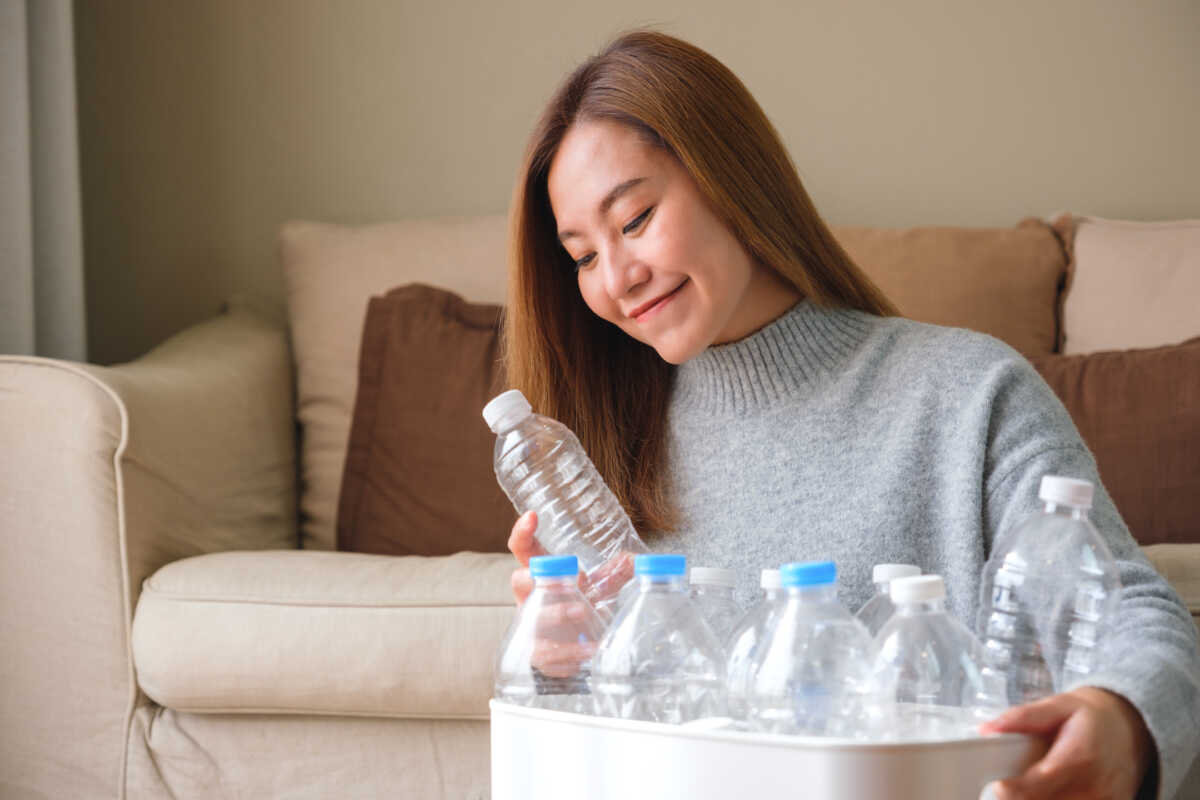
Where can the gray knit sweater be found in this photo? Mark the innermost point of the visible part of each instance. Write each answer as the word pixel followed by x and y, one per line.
pixel 833 434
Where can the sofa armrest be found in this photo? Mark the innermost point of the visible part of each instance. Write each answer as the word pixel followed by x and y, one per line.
pixel 108 473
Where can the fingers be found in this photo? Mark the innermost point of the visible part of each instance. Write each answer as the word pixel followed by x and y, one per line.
pixel 522 584
pixel 1039 718
pixel 1068 765
pixel 1077 758
pixel 561 659
pixel 608 578
pixel 521 541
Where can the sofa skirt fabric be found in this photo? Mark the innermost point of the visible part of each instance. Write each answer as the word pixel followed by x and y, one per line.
pixel 226 756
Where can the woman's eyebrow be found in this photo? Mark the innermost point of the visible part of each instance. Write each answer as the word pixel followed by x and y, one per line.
pixel 613 195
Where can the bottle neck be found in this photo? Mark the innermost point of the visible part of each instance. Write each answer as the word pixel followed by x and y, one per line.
pixel 937 606
pixel 1060 510
pixel 719 589
pixel 662 583
pixel 882 587
pixel 543 582
pixel 824 593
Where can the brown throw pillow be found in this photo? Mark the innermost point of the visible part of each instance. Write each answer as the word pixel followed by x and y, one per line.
pixel 1139 412
pixel 1001 281
pixel 418 478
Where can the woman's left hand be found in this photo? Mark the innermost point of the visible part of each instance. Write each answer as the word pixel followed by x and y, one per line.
pixel 1099 747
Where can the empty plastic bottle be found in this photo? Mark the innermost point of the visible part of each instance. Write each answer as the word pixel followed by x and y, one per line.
pixel 879 609
pixel 814 677
pixel 928 669
pixel 545 658
pixel 746 641
pixel 712 593
pixel 1048 594
pixel 542 467
pixel 659 660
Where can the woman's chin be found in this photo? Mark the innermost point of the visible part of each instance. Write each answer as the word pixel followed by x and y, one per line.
pixel 677 352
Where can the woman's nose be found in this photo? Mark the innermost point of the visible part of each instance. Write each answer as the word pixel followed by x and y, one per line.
pixel 623 272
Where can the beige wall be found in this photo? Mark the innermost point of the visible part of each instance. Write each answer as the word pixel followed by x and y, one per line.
pixel 207 123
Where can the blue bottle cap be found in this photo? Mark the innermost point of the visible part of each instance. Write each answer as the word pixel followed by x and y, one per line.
pixel 808 573
pixel 660 565
pixel 554 566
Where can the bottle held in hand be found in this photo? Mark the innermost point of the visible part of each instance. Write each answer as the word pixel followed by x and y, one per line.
pixel 545 658
pixel 1049 592
pixel 542 467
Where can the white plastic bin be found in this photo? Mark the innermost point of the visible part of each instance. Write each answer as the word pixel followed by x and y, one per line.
pixel 552 754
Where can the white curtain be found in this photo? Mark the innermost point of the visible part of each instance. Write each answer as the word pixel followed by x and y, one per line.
pixel 41 238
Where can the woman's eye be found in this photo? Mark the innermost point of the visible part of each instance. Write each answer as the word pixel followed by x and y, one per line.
pixel 580 263
pixel 637 221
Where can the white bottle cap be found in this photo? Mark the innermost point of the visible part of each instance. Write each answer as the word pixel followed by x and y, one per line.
pixel 506 409
pixel 917 589
pixel 713 576
pixel 882 573
pixel 770 579
pixel 1066 491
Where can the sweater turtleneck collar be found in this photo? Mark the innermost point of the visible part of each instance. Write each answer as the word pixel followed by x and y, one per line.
pixel 787 356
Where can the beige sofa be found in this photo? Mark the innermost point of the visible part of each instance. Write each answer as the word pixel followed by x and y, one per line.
pixel 172 618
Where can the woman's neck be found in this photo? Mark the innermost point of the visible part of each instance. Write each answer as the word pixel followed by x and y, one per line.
pixel 767 298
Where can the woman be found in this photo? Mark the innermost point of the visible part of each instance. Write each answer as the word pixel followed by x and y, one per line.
pixel 751 398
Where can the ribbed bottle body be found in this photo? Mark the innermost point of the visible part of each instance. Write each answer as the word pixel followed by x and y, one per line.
pixel 541 466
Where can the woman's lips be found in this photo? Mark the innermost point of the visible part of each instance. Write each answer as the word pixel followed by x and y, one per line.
pixel 644 313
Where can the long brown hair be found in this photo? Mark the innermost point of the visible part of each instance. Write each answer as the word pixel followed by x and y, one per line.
pixel 609 388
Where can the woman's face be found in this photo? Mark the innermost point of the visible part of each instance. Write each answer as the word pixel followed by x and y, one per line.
pixel 652 257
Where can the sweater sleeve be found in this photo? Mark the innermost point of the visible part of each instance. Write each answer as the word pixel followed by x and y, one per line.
pixel 1150 657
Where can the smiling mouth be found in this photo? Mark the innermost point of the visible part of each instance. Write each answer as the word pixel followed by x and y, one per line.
pixel 642 310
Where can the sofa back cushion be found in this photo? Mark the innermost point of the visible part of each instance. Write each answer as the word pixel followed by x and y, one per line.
pixel 1132 284
pixel 418 478
pixel 330 272
pixel 1002 281
pixel 1139 413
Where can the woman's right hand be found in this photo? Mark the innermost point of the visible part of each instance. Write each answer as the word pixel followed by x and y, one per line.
pixel 524 546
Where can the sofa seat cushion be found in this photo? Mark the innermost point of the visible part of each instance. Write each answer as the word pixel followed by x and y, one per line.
pixel 309 632
pixel 1180 565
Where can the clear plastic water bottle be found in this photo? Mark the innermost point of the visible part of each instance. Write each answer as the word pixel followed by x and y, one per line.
pixel 659 660
pixel 545 658
pixel 1048 594
pixel 746 642
pixel 815 674
pixel 542 467
pixel 712 594
pixel 928 667
pixel 879 609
